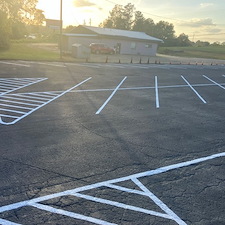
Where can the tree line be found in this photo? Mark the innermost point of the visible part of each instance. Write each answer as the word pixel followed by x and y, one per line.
pixel 14 16
pixel 21 17
pixel 127 18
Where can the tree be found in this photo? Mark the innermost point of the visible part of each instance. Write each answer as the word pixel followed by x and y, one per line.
pixel 18 30
pixel 165 31
pixel 24 11
pixel 139 21
pixel 108 23
pixel 128 14
pixel 126 18
pixel 149 27
pixel 13 15
pixel 115 19
pixel 202 43
pixel 216 43
pixel 183 40
pixel 120 17
pixel 5 31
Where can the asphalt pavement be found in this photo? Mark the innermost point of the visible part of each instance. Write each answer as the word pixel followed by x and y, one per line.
pixel 91 143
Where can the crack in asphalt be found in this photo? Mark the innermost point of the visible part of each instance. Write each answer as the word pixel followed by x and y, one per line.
pixel 43 169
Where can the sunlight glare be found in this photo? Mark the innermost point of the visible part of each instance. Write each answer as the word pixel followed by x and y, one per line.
pixel 71 15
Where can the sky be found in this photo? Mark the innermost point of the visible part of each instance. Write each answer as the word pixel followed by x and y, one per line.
pixel 200 19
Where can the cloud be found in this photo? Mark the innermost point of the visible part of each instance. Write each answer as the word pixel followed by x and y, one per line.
pixel 214 30
pixel 206 4
pixel 198 23
pixel 83 3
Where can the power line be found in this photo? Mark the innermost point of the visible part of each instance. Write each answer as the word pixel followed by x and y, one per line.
pixel 169 18
pixel 150 13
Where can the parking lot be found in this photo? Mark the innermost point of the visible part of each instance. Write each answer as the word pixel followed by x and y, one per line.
pixel 110 143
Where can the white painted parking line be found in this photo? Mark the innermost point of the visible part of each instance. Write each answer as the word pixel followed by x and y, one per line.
pixel 7 116
pixel 158 202
pixel 13 106
pixel 156 92
pixel 128 190
pixel 123 66
pixel 55 93
pixel 16 102
pixel 141 66
pixel 71 214
pixel 14 64
pixel 144 88
pixel 43 94
pixel 202 99
pixel 26 100
pixel 84 65
pixel 118 66
pixel 31 96
pixel 13 84
pixel 121 205
pixel 214 82
pixel 137 66
pixel 7 86
pixel 111 65
pixel 114 184
pixel 51 64
pixel 43 63
pixel 106 102
pixel 13 111
pixel 12 81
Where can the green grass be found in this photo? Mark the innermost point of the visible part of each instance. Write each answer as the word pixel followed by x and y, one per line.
pixel 212 52
pixel 25 51
pixel 29 51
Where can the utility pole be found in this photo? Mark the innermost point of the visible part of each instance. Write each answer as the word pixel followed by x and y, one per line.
pixel 61 28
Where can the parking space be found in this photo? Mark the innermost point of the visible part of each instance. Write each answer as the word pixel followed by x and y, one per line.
pixel 112 144
pixel 8 85
pixel 27 103
pixel 157 88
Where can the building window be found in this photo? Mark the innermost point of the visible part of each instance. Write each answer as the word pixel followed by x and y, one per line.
pixel 133 45
pixel 148 46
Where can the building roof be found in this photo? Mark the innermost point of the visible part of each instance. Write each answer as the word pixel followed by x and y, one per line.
pixel 79 35
pixel 121 33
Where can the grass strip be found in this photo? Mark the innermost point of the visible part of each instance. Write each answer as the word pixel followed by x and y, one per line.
pixel 25 51
pixel 212 52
